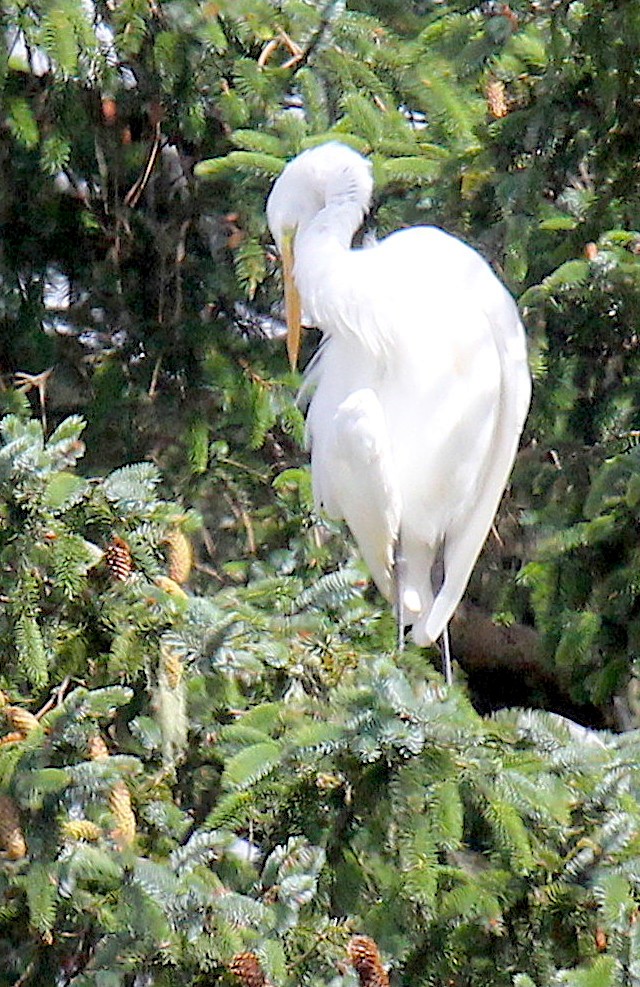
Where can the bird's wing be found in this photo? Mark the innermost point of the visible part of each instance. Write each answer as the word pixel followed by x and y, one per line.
pixel 353 475
pixel 457 396
pixel 467 534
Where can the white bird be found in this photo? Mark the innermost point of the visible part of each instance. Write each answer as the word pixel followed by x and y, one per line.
pixel 420 387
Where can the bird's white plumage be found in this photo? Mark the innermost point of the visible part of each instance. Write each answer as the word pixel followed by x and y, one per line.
pixel 421 385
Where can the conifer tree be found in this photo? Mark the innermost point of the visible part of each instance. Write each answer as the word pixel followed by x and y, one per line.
pixel 213 768
pixel 199 787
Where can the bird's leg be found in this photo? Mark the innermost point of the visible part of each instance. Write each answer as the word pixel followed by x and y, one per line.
pixel 437 579
pixel 445 651
pixel 399 580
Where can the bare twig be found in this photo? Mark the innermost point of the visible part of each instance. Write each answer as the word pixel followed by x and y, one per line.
pixel 26 975
pixel 299 56
pixel 241 514
pixel 316 40
pixel 153 386
pixel 281 41
pixel 29 382
pixel 57 696
pixel 181 253
pixel 208 570
pixel 132 197
pixel 496 535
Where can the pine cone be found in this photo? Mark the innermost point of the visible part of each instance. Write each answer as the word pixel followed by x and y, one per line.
pixel 172 666
pixel 120 805
pixel 365 958
pixel 11 738
pixel 109 110
pixel 496 99
pixel 510 15
pixel 80 829
pixel 117 558
pixel 97 749
pixel 171 587
pixel 21 719
pixel 246 967
pixel 180 556
pixel 12 840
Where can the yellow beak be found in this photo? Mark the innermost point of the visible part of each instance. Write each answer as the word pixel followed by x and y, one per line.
pixel 292 305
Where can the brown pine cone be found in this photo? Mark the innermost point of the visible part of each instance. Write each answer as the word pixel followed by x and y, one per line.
pixel 496 99
pixel 21 719
pixel 11 738
pixel 365 958
pixel 246 967
pixel 118 560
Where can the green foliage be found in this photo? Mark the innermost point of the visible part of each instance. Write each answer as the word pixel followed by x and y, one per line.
pixel 305 786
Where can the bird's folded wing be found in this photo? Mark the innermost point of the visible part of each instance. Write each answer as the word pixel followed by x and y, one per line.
pixel 465 538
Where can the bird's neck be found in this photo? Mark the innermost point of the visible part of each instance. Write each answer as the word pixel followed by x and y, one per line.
pixel 336 222
pixel 322 251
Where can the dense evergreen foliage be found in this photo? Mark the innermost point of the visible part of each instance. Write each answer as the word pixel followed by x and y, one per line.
pixel 213 766
pixel 246 773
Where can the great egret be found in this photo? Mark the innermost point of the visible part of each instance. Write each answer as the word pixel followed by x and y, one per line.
pixel 420 387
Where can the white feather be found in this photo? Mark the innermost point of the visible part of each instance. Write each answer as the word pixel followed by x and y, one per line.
pixel 421 386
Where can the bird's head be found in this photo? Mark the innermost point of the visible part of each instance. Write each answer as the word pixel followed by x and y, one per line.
pixel 330 174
